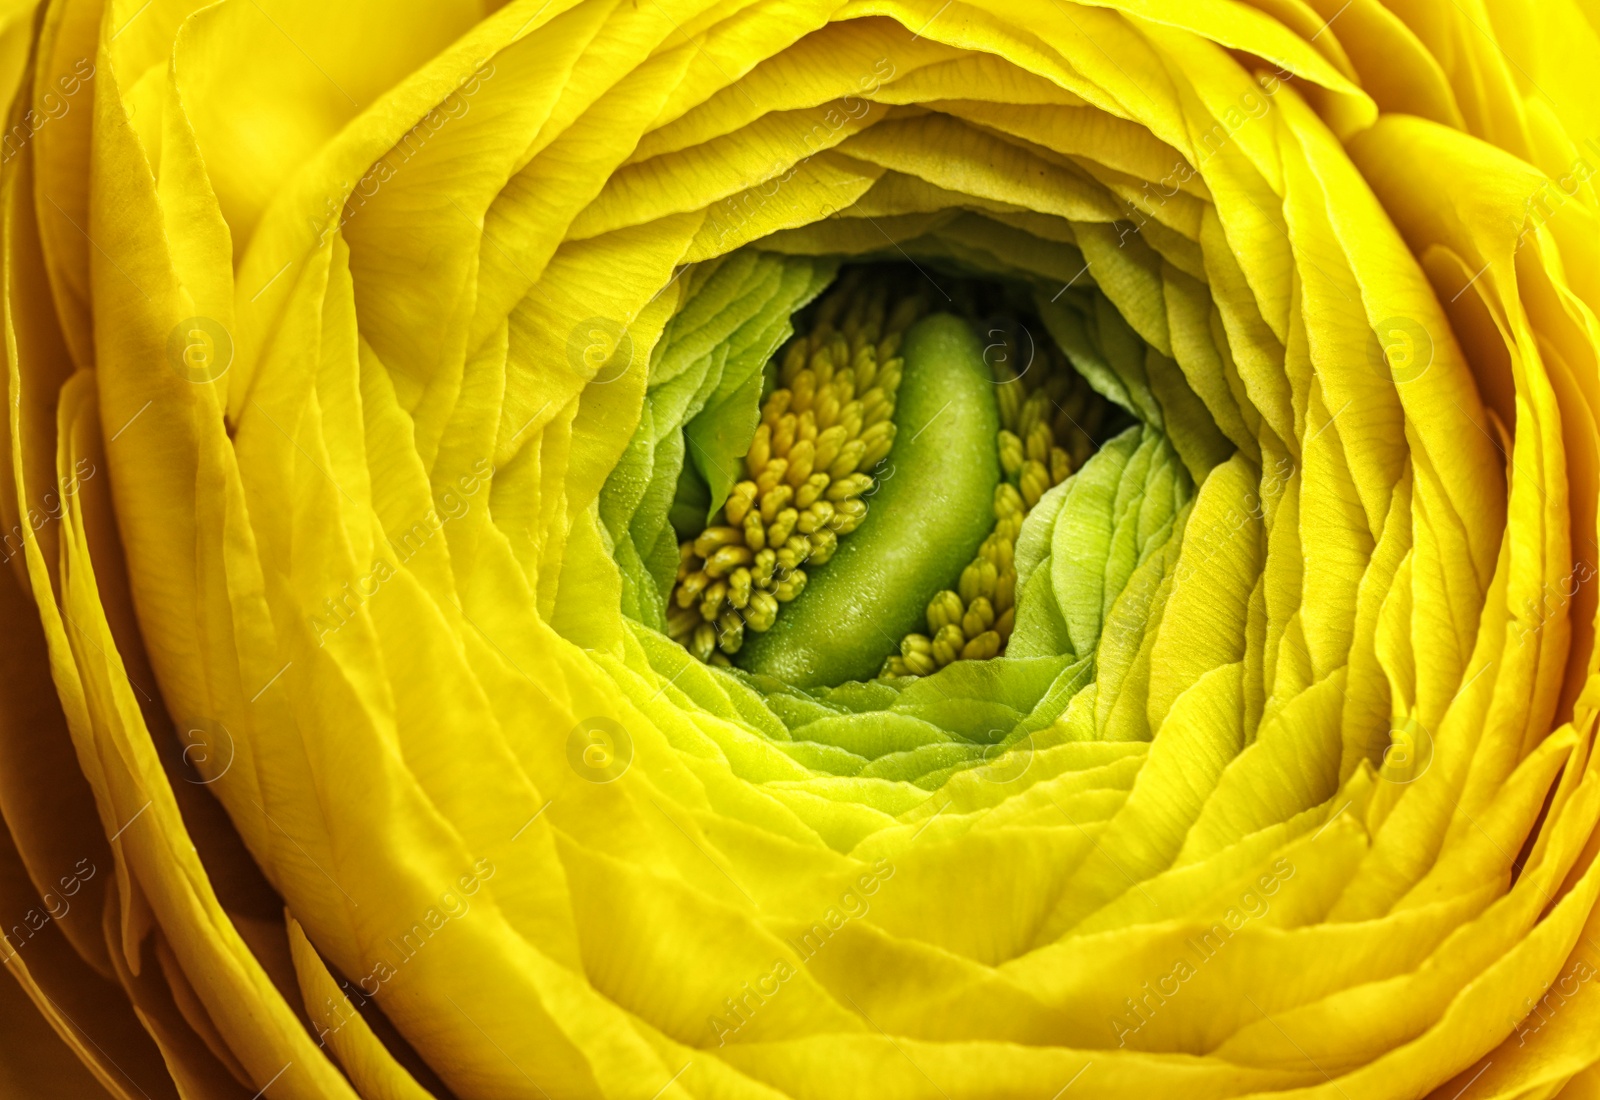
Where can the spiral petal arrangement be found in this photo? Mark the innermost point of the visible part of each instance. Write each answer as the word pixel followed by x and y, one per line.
pixel 884 548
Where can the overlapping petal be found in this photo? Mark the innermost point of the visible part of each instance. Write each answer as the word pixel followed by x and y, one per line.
pixel 354 357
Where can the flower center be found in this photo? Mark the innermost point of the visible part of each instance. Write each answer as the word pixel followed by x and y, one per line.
pixel 1049 417
pixel 828 425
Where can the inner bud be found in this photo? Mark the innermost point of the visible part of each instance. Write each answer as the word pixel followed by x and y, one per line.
pixel 830 416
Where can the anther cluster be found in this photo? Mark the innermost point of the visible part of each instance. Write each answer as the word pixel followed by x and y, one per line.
pixel 824 428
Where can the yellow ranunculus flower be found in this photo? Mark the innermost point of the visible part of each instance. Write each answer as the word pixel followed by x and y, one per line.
pixel 648 548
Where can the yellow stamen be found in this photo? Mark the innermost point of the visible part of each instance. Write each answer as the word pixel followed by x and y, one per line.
pixel 822 430
pixel 808 474
pixel 947 644
pixel 979 617
pixel 943 609
pixel 762 612
pixel 982 647
pixel 703 642
pixel 791 586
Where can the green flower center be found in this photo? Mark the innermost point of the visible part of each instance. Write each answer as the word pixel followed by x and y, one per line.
pixel 823 429
pixel 825 444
